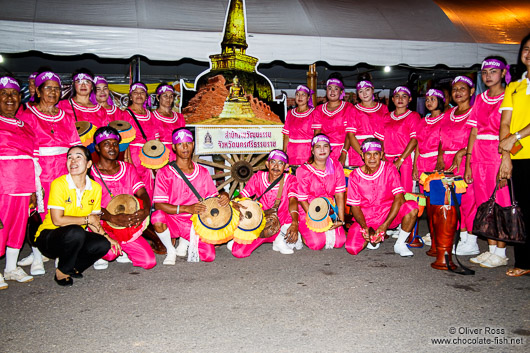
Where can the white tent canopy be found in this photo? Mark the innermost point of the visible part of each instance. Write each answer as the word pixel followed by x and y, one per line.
pixel 339 32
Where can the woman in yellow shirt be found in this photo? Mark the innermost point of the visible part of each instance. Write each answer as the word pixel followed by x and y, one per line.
pixel 515 126
pixel 74 204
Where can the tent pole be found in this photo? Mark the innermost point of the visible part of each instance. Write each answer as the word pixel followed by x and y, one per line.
pixel 312 81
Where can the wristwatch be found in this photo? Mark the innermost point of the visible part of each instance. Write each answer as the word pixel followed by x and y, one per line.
pixel 518 135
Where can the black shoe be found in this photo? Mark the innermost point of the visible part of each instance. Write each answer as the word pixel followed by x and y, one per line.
pixel 76 274
pixel 68 281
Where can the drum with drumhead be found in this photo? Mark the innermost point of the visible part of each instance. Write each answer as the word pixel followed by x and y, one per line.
pixel 251 221
pixel 85 130
pixel 154 154
pixel 321 214
pixel 124 204
pixel 217 224
pixel 127 133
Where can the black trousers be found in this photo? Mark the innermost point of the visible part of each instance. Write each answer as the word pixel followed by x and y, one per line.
pixel 521 188
pixel 76 248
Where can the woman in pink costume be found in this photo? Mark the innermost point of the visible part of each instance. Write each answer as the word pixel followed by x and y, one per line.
pixel 332 117
pixel 287 237
pixel 321 176
pixel 167 119
pixel 428 135
pixel 55 133
pixel 482 164
pixel 19 182
pixel 297 129
pixel 121 178
pixel 376 197
pixel 175 203
pixel 146 129
pixel 79 104
pixel 452 156
pixel 367 121
pixel 400 135
pixel 102 97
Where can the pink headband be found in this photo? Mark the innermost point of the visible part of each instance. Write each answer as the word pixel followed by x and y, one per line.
pixel 165 88
pixel 336 81
pixel 497 64
pixel 435 93
pixel 47 76
pixel 98 80
pixel 363 84
pixel 32 76
pixel 278 155
pixel 181 136
pixel 83 76
pixel 402 89
pixel 319 138
pixel 371 146
pixel 309 93
pixel 9 82
pixel 106 135
pixel 464 79
pixel 138 85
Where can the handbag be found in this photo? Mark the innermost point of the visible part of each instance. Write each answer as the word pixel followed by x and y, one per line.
pixel 498 223
pixel 34 222
pixel 272 222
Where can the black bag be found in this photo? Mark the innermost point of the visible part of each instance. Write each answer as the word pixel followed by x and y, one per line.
pixel 500 223
pixel 34 222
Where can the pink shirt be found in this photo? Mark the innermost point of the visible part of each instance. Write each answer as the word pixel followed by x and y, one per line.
pixel 170 188
pixel 486 117
pixel 96 115
pixel 148 124
pixel 333 123
pixel 399 130
pixel 126 181
pixel 17 142
pixel 257 185
pixel 455 131
pixel 374 193
pixel 167 125
pixel 313 183
pixel 114 114
pixel 428 134
pixel 298 128
pixel 368 122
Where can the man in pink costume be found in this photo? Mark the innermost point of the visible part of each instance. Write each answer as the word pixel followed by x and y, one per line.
pixel 400 136
pixel 297 129
pixel 365 122
pixel 276 163
pixel 19 182
pixel 376 197
pixel 331 118
pixel 175 202
pixel 322 176
pixel 125 180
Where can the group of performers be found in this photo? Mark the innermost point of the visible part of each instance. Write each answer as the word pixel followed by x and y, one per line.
pixel 45 167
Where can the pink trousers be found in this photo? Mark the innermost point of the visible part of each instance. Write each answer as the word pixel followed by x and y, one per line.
pixel 14 214
pixel 244 250
pixel 139 252
pixel 180 226
pixel 317 241
pixel 355 240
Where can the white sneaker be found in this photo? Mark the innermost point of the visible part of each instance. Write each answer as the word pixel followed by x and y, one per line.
pixel 3 284
pixel 123 259
pixel 373 247
pixel 171 258
pixel 494 260
pixel 101 264
pixel 28 260
pixel 18 275
pixel 427 239
pixel 467 248
pixel 394 233
pixel 182 248
pixel 280 245
pixel 481 258
pixel 229 245
pixel 299 243
pixel 37 269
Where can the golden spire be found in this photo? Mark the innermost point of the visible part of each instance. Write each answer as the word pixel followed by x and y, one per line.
pixel 235 36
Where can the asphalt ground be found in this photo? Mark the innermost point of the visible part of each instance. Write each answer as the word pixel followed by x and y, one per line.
pixel 311 301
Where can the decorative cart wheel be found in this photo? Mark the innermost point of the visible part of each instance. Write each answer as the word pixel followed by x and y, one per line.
pixel 236 172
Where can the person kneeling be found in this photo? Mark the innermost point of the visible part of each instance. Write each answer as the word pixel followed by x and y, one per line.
pixel 287 238
pixel 377 201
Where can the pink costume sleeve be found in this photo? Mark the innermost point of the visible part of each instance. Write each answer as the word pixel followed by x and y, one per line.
pixel 317 120
pixel 354 196
pixel 340 179
pixel 162 187
pixel 304 183
pixel 393 182
pixel 286 127
pixel 251 188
